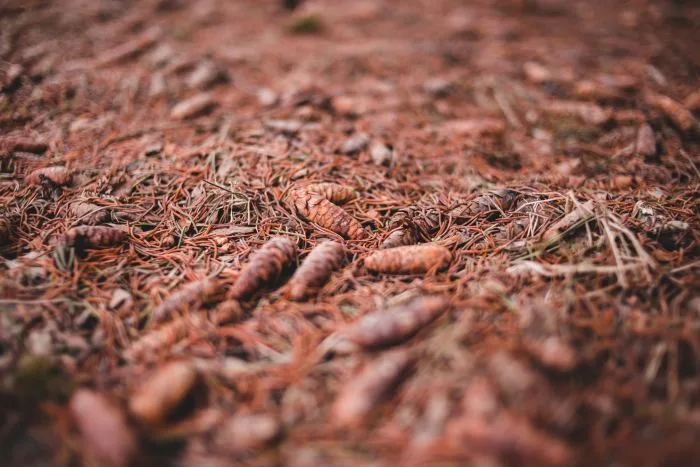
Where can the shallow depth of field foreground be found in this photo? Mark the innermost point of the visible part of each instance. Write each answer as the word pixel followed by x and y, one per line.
pixel 349 233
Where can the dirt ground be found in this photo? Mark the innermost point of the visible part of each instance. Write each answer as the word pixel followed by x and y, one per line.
pixel 167 167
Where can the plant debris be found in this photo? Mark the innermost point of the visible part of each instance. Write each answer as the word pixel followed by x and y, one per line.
pixel 349 233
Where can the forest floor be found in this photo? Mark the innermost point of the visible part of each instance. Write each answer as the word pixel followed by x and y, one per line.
pixel 160 163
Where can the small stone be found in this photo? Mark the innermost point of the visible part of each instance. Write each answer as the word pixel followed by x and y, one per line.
pixel 646 142
pixel 204 75
pixel 267 97
pixel 381 154
pixel 11 76
pixel 537 73
pixel 154 149
pixel 437 87
pixel 355 144
pixel 120 298
pixel 158 85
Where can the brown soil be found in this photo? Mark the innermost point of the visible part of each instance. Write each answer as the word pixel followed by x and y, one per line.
pixel 547 149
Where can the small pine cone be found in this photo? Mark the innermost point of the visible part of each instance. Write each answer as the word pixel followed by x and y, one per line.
pixel 189 297
pixel 56 175
pixel 396 324
pixel 316 269
pixel 411 259
pixel 265 267
pixel 93 236
pixel 326 214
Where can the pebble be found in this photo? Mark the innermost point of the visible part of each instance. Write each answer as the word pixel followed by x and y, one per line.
pixel 381 154
pixel 646 142
pixel 355 144
pixel 205 75
pixel 437 87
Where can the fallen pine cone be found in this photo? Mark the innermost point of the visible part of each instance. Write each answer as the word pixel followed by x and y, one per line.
pixel 56 175
pixel 104 429
pixel 88 213
pixel 188 298
pixel 490 204
pixel 333 192
pixel 265 267
pixel 315 270
pixel 161 394
pixel 396 324
pixel 315 203
pixel 163 337
pixel 411 259
pixel 93 236
pixel 679 115
pixel 400 237
pixel 362 394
